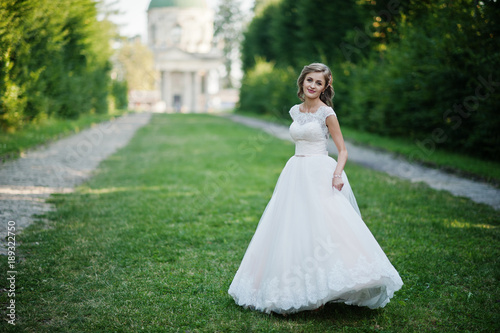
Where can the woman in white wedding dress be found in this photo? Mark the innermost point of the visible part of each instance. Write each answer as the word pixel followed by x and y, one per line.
pixel 311 245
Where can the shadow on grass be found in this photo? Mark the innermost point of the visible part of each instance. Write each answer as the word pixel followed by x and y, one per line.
pixel 339 313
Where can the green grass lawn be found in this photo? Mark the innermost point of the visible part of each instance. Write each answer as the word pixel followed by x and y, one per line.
pixel 425 152
pixel 12 145
pixel 153 240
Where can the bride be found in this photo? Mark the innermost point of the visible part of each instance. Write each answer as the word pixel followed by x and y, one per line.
pixel 311 245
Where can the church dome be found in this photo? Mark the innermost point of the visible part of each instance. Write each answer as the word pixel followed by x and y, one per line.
pixel 177 3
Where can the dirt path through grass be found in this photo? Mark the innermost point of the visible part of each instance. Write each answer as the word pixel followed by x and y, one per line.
pixel 25 183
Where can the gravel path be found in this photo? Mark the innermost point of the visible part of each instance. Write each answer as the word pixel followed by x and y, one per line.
pixel 26 183
pixel 394 166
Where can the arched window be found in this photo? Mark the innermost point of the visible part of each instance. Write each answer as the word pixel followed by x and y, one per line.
pixel 176 34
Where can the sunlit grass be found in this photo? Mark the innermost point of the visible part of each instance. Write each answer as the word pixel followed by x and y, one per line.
pixel 466 225
pixel 153 240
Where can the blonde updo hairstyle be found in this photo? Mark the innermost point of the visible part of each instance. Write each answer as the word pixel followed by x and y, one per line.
pixel 327 95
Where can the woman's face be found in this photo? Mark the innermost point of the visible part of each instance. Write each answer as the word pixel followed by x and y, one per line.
pixel 314 85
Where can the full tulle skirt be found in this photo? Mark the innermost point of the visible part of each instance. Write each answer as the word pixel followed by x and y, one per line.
pixel 312 247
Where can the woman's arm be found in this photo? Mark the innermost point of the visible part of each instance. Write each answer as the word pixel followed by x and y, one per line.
pixel 338 139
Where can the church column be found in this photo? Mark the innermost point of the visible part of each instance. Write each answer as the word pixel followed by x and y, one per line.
pixel 166 93
pixel 197 92
pixel 162 85
pixel 188 89
pixel 168 90
pixel 197 85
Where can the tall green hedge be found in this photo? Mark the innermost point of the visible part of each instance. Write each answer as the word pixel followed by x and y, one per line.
pixel 266 89
pixel 424 70
pixel 54 60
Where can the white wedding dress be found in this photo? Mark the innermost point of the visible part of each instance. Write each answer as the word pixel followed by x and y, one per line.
pixel 311 245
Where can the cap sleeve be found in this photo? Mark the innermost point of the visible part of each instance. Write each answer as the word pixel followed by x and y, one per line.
pixel 327 112
pixel 292 111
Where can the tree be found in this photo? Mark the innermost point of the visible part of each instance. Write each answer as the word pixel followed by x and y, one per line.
pixel 134 63
pixel 257 39
pixel 228 30
pixel 54 60
pixel 423 70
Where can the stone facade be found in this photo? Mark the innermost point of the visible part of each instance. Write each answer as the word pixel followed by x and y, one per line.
pixel 180 36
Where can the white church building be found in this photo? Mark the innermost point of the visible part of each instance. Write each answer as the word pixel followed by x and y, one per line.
pixel 180 37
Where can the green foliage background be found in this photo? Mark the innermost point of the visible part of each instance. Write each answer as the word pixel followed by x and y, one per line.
pixel 424 70
pixel 54 61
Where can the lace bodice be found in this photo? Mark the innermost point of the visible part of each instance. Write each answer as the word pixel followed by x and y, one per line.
pixel 309 130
